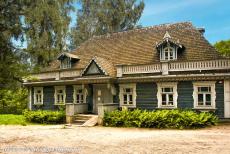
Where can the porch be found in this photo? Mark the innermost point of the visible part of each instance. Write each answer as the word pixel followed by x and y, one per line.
pixel 100 98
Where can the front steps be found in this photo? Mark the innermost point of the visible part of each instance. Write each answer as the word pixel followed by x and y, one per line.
pixel 84 120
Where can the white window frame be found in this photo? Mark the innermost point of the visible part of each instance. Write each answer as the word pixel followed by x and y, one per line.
pixel 121 93
pixel 195 94
pixel 84 92
pixel 64 95
pixel 163 51
pixel 66 63
pixel 35 95
pixel 162 85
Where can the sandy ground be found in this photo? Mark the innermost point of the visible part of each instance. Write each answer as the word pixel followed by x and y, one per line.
pixel 96 140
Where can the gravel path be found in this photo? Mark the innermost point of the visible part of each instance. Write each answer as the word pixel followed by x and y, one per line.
pixel 96 140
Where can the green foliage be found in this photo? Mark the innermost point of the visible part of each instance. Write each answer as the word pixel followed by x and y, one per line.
pixel 105 16
pixel 12 66
pixel 46 28
pixel 179 119
pixel 45 117
pixel 223 47
pixel 13 101
pixel 11 119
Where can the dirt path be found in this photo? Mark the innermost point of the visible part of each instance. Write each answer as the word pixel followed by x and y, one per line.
pixel 96 140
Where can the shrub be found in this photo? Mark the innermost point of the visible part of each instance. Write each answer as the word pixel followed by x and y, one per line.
pixel 179 119
pixel 44 116
pixel 13 101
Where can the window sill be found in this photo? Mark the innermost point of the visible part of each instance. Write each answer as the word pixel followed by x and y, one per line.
pixel 204 108
pixel 128 106
pixel 59 104
pixel 167 107
pixel 39 104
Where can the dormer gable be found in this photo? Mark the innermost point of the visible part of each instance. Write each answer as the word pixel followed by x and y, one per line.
pixel 93 68
pixel 168 48
pixel 67 60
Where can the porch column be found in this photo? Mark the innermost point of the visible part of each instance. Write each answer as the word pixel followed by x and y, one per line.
pixel 226 98
pixel 69 113
pixel 30 98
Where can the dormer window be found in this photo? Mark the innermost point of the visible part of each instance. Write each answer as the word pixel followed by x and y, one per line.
pixel 67 60
pixel 66 63
pixel 168 48
pixel 168 53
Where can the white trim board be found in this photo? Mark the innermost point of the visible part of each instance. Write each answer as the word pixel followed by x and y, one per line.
pixel 226 98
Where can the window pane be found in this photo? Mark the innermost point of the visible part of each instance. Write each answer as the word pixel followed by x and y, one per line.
pixel 167 89
pixel 170 99
pixel 128 90
pixel 125 99
pixel 208 99
pixel 204 89
pixel 80 91
pixel 200 99
pixel 130 99
pixel 163 99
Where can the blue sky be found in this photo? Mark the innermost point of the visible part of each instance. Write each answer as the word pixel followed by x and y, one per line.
pixel 213 15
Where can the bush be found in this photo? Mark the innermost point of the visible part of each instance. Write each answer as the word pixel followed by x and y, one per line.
pixel 44 116
pixel 13 101
pixel 179 119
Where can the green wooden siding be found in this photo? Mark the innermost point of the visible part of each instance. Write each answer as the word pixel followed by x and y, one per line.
pixel 220 99
pixel 48 99
pixel 146 96
pixel 69 94
pixel 185 92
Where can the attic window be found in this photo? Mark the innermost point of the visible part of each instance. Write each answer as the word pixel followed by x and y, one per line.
pixel 168 53
pixel 66 63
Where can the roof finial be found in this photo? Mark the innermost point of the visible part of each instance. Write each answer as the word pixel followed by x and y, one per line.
pixel 167 36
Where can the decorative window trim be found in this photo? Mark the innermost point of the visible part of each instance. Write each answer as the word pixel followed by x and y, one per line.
pixel 213 94
pixel 85 93
pixel 159 92
pixel 55 95
pixel 121 92
pixel 67 64
pixel 35 93
pixel 162 53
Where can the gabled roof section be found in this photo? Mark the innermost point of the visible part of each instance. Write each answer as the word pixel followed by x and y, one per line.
pixel 99 66
pixel 168 39
pixel 66 54
pixel 135 47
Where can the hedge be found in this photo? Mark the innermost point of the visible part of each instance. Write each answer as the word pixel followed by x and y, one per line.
pixel 45 116
pixel 179 119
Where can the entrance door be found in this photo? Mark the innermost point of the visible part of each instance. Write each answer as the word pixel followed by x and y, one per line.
pixel 101 95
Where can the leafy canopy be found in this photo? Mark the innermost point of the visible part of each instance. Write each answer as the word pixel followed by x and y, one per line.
pixel 223 47
pixel 103 16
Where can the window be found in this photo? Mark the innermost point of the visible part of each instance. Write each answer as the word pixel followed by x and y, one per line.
pixel 167 95
pixel 60 95
pixel 204 94
pixel 128 95
pixel 66 63
pixel 79 94
pixel 38 95
pixel 168 53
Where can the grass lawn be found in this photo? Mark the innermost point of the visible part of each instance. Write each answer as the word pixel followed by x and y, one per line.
pixel 11 119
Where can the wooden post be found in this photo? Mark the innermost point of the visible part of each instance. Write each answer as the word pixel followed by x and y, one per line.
pixel 226 98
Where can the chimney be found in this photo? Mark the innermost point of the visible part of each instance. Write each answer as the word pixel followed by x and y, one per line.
pixel 201 30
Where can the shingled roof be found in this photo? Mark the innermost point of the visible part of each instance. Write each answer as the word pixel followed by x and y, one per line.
pixel 138 46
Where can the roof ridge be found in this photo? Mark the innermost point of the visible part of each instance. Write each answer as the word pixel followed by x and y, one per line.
pixel 141 29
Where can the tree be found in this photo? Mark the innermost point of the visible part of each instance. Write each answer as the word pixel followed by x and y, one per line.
pixel 102 16
pixel 11 68
pixel 46 25
pixel 223 47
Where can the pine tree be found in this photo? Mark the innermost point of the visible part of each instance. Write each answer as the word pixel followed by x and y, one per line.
pixel 11 68
pixel 46 28
pixel 103 16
